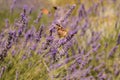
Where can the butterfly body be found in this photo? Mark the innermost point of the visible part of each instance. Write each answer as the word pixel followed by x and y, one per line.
pixel 62 32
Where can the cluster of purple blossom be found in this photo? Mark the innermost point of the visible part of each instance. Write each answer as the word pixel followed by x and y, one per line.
pixel 81 55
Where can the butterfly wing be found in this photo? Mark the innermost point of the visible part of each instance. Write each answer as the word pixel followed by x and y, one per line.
pixel 62 32
pixel 45 11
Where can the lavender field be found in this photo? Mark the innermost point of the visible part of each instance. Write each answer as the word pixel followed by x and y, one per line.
pixel 60 40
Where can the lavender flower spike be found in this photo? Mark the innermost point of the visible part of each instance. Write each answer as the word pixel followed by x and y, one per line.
pixel 118 40
pixel 112 51
pixel 68 13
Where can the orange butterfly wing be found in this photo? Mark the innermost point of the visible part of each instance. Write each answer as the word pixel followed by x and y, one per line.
pixel 45 11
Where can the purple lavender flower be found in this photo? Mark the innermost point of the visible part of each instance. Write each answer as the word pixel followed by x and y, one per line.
pixel 2 71
pixel 39 33
pixel 72 33
pixel 52 29
pixel 34 47
pixel 7 23
pixel 30 34
pixel 96 48
pixel 113 50
pixel 14 1
pixel 38 18
pixel 13 53
pixel 87 71
pixel 24 57
pixel 117 72
pixel 9 43
pixel 84 28
pixel 49 40
pixel 19 32
pixel 68 13
pixel 100 66
pixel 30 10
pixel 54 51
pixel 82 11
pixel 12 8
pixel 25 8
pixel 118 40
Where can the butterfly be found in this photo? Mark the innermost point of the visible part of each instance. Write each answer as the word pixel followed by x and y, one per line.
pixel 45 11
pixel 62 32
pixel 55 8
